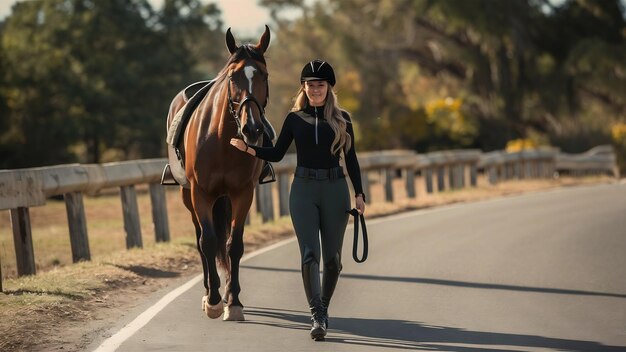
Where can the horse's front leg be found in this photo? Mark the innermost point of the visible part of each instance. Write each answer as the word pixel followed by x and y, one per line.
pixel 208 244
pixel 186 194
pixel 241 205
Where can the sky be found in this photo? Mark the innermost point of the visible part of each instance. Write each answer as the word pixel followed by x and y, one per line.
pixel 245 17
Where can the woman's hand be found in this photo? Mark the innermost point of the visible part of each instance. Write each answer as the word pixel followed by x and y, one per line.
pixel 239 144
pixel 360 204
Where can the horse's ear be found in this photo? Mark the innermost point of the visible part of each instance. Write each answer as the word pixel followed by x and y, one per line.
pixel 230 42
pixel 264 42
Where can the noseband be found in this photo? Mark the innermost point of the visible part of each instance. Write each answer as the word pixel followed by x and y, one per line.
pixel 249 98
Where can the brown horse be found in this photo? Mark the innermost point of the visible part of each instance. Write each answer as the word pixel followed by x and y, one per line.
pixel 222 179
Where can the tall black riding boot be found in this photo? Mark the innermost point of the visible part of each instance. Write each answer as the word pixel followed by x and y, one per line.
pixel 329 282
pixel 311 280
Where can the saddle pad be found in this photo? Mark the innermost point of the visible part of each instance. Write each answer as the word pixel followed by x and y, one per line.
pixel 176 129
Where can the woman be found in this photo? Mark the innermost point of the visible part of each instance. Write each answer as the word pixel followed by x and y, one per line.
pixel 319 197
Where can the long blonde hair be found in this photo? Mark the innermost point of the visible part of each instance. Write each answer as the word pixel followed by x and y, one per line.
pixel 333 115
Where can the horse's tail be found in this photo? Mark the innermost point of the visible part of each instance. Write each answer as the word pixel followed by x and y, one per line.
pixel 222 217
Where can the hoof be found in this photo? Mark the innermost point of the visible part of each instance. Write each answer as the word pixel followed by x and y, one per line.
pixel 211 311
pixel 233 313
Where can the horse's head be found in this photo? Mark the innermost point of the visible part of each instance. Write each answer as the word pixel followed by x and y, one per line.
pixel 248 88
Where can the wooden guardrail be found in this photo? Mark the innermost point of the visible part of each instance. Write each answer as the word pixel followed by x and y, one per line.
pixel 453 169
pixel 24 188
pixel 600 159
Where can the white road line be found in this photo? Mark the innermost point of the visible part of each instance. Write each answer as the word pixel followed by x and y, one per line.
pixel 115 341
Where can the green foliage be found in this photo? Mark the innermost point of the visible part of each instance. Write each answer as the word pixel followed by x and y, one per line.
pixel 83 77
pixel 91 81
pixel 523 68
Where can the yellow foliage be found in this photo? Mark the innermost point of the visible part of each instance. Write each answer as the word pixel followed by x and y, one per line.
pixel 618 132
pixel 518 145
pixel 443 106
pixel 447 118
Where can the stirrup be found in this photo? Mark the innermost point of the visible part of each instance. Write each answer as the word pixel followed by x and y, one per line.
pixel 267 174
pixel 167 179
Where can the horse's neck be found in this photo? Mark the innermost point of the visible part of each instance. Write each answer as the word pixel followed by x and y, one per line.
pixel 221 124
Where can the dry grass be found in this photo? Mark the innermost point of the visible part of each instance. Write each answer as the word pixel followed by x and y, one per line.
pixel 105 226
pixel 52 308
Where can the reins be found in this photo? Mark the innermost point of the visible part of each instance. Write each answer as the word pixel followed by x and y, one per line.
pixel 355 244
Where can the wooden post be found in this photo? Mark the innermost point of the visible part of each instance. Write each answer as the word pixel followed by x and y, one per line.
pixel 283 193
pixel 549 167
pixel 493 174
pixel 264 202
pixel 388 176
pixel 409 177
pixel 458 176
pixel 159 212
pixel 451 172
pixel 429 180
pixel 131 217
pixel 441 178
pixel 77 223
pixel 473 175
pixel 23 240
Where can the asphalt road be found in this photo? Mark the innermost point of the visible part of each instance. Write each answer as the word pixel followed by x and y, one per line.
pixel 537 272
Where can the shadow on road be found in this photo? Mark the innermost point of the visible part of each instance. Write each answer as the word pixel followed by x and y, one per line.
pixel 145 271
pixel 410 335
pixel 427 281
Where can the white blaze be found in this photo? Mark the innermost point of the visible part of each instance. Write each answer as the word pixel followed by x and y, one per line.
pixel 249 71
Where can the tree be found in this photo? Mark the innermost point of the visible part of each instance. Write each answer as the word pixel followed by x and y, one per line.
pixel 522 68
pixel 91 81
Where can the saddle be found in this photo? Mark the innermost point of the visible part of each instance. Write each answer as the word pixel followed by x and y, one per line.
pixel 174 171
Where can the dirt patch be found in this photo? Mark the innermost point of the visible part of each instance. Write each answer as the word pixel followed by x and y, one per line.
pixel 66 308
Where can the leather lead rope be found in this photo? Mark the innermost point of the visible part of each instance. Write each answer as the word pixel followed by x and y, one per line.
pixel 355 244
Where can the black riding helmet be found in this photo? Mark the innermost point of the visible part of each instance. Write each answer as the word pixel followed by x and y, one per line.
pixel 318 70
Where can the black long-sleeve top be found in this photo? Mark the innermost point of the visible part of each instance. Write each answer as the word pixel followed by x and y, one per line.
pixel 313 141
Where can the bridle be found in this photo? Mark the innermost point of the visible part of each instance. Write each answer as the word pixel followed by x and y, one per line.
pixel 249 98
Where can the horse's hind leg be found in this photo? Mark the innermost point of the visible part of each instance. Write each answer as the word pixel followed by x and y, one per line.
pixel 208 247
pixel 240 207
